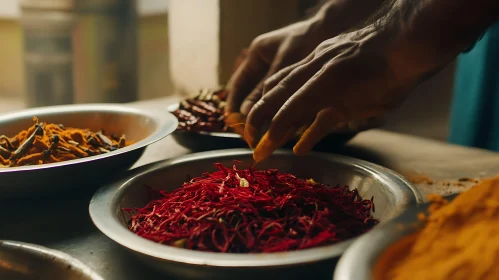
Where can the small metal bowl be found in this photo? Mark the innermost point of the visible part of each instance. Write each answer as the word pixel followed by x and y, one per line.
pixel 207 141
pixel 359 260
pixel 392 194
pixel 140 126
pixel 22 261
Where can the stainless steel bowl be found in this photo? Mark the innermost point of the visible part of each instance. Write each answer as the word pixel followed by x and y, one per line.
pixel 143 127
pixel 207 141
pixel 392 194
pixel 358 262
pixel 22 261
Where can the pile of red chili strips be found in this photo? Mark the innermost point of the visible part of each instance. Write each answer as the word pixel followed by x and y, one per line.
pixel 243 211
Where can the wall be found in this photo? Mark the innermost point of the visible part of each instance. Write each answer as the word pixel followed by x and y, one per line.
pixel 153 49
pixel 11 74
pixel 206 37
pixel 154 71
pixel 153 67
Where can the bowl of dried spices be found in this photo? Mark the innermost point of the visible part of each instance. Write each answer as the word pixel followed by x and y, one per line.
pixel 52 149
pixel 202 125
pixel 211 215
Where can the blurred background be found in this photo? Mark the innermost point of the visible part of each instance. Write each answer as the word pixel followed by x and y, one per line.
pixel 61 51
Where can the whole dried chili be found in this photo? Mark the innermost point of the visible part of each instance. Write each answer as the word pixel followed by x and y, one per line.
pixel 49 143
pixel 204 112
pixel 248 211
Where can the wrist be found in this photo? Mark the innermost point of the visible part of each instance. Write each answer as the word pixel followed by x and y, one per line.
pixel 432 33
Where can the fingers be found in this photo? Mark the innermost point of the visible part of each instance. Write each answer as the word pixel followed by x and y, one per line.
pixel 300 109
pixel 252 98
pixel 274 80
pixel 289 92
pixel 326 121
pixel 283 59
pixel 246 77
pixel 287 81
pixel 269 104
pixel 306 103
pixel 236 122
pixel 266 146
pixel 278 135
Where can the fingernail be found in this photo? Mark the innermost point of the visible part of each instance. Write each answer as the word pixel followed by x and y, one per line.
pixel 263 149
pixel 255 135
pixel 298 147
pixel 266 146
pixel 296 150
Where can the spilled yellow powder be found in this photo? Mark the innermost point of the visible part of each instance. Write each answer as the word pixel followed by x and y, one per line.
pixel 460 240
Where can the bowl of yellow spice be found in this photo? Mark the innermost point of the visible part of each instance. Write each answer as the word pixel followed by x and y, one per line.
pixel 455 237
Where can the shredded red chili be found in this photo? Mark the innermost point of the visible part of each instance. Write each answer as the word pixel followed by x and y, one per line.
pixel 248 210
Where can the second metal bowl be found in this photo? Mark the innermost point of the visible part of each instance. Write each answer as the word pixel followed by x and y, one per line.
pixel 22 261
pixel 207 141
pixel 392 194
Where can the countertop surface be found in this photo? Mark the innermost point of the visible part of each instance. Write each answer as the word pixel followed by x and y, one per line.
pixel 64 224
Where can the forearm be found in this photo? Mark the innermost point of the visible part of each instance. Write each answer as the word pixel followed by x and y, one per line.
pixel 343 15
pixel 435 31
pixel 452 23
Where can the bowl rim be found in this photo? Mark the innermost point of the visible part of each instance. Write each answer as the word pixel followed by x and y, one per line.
pixel 103 214
pixel 175 106
pixel 357 261
pixel 42 251
pixel 166 124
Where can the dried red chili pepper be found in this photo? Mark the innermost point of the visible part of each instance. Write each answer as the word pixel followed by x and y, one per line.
pixel 205 112
pixel 242 211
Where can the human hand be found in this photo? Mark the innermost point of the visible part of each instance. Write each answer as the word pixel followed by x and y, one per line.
pixel 267 54
pixel 273 51
pixel 347 79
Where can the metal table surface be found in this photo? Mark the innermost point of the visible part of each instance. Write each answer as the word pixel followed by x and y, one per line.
pixel 63 223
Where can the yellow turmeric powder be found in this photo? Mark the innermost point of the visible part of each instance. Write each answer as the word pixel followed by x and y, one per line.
pixel 460 240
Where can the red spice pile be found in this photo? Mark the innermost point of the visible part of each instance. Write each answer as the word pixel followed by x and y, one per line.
pixel 242 211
